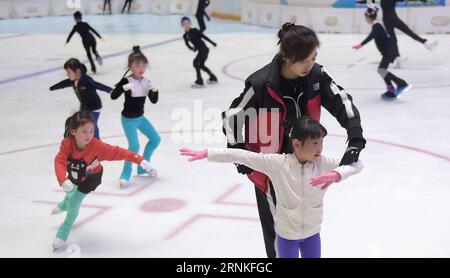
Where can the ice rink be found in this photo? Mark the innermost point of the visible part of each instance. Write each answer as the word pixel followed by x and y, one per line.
pixel 398 206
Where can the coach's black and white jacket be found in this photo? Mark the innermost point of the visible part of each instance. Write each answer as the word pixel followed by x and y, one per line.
pixel 266 132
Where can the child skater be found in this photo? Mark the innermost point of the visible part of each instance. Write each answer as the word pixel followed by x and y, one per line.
pixel 295 177
pixel 387 48
pixel 85 89
pixel 78 168
pixel 83 28
pixel 391 21
pixel 196 37
pixel 136 89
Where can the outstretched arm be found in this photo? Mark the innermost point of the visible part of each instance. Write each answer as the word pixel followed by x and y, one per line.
pixel 95 32
pixel 111 153
pixel 208 39
pixel 258 161
pixel 338 174
pixel 370 37
pixel 71 33
pixel 61 85
pixel 95 84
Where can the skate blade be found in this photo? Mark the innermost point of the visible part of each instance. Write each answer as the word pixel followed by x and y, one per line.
pixel 400 92
pixel 197 86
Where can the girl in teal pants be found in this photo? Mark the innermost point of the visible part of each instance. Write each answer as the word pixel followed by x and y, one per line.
pixel 136 88
pixel 131 126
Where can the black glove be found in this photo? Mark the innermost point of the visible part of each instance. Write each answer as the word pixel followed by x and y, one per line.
pixel 122 82
pixel 351 154
pixel 153 95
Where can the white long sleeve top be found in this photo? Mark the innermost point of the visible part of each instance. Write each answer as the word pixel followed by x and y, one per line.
pixel 299 208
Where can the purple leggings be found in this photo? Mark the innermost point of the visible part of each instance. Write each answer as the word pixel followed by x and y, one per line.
pixel 309 247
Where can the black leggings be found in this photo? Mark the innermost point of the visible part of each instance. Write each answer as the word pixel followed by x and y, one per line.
pixel 199 64
pixel 88 44
pixel 201 21
pixel 392 22
pixel 125 4
pixel 387 76
pixel 107 2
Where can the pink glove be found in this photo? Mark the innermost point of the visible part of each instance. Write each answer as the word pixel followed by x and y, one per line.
pixel 358 46
pixel 326 179
pixel 195 155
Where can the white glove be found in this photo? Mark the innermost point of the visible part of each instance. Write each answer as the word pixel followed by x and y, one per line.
pixel 127 87
pixel 152 87
pixel 146 166
pixel 148 86
pixel 67 185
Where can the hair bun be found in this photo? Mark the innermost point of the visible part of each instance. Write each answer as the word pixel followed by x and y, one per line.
pixel 284 29
pixel 372 11
pixel 136 48
pixel 287 26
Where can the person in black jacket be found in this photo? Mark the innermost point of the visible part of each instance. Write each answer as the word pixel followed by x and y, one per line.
pixel 89 42
pixel 85 89
pixel 136 88
pixel 392 21
pixel 291 86
pixel 387 49
pixel 194 36
pixel 201 13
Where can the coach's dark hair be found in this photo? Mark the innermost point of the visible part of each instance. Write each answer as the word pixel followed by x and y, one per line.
pixel 296 42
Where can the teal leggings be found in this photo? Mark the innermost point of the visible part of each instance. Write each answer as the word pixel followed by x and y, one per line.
pixel 131 126
pixel 71 204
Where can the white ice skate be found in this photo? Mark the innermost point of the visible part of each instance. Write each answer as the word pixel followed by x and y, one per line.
pixel 56 210
pixel 152 173
pixel 123 183
pixel 99 60
pixel 398 62
pixel 57 243
pixel 401 90
pixel 431 45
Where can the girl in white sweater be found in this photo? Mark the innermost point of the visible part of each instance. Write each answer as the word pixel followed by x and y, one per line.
pixel 295 177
